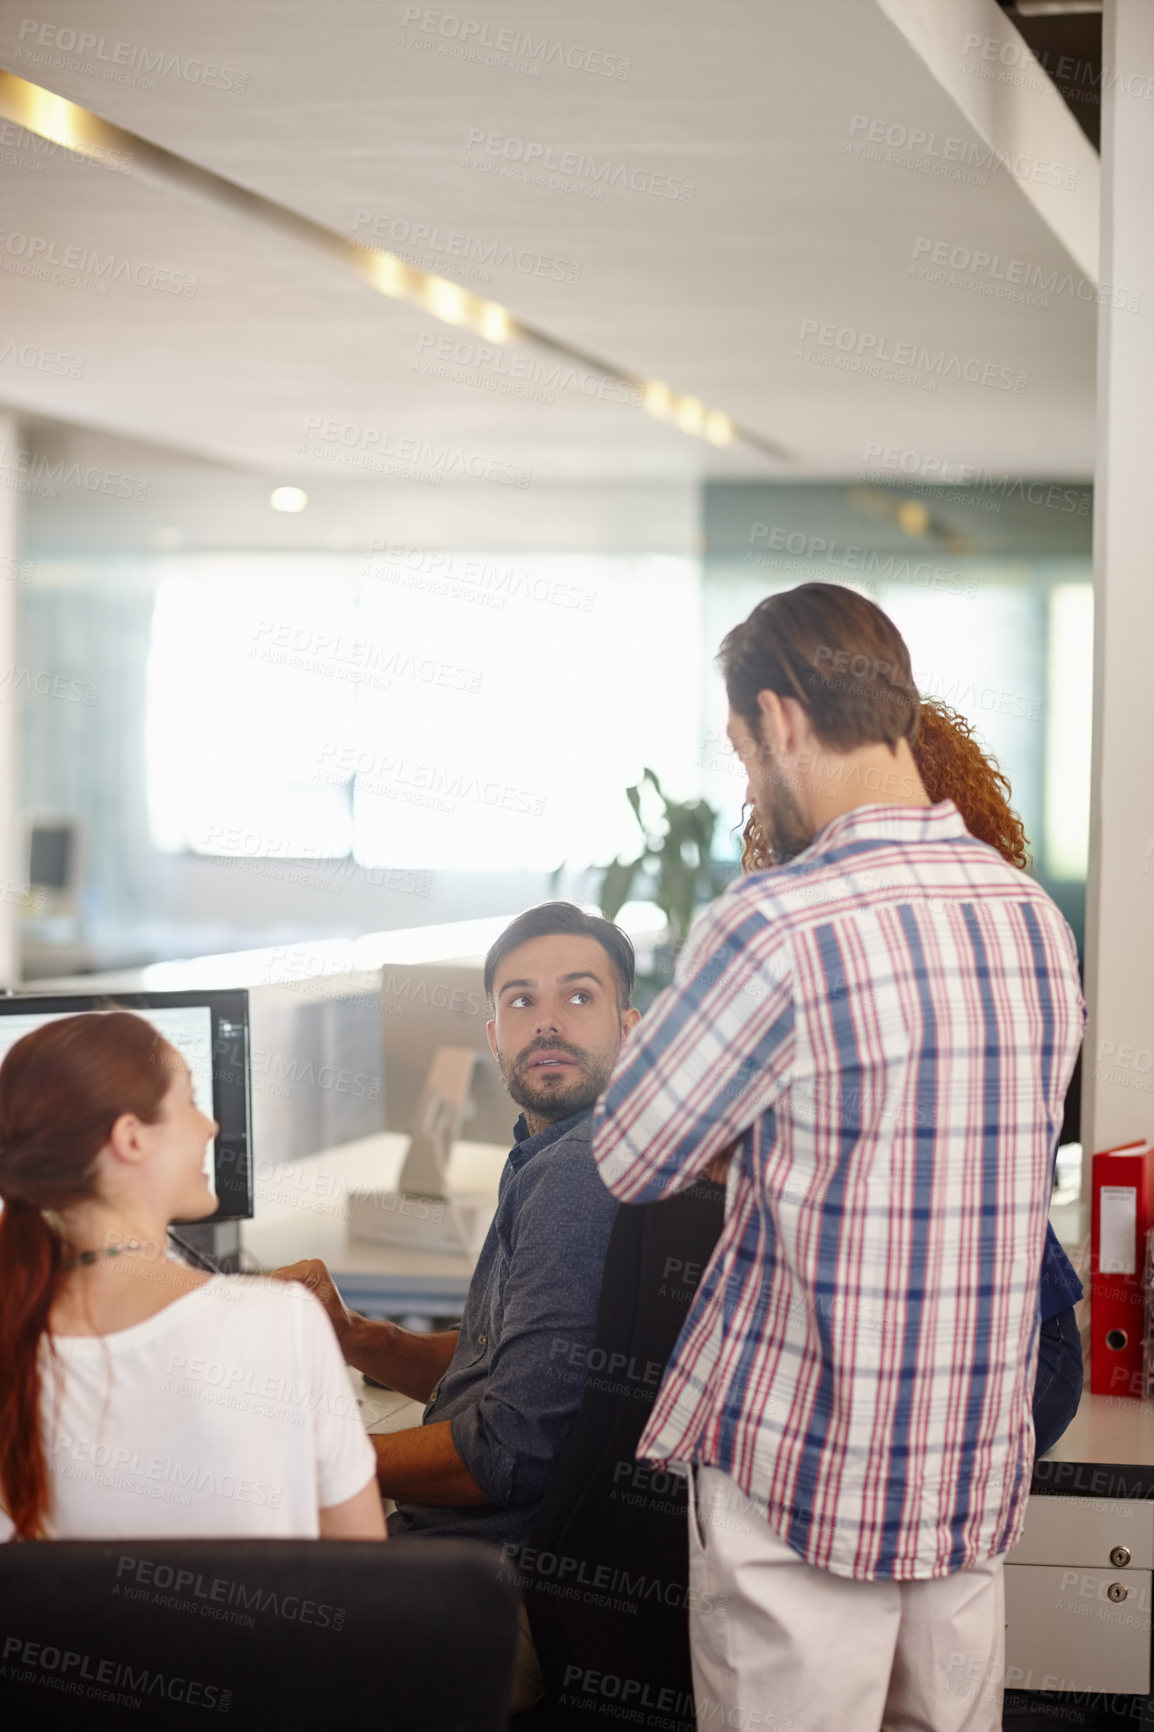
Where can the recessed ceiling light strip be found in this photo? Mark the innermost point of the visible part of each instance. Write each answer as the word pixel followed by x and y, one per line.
pixel 66 123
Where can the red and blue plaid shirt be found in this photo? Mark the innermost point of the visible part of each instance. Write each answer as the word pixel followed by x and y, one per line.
pixel 886 1027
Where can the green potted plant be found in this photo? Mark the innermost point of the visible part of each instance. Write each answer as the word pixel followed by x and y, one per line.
pixel 677 859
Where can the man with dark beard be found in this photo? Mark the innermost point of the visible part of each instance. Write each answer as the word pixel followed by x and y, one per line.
pixel 879 1032
pixel 503 1390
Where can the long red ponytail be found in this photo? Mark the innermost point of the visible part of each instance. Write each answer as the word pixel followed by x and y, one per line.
pixel 62 1088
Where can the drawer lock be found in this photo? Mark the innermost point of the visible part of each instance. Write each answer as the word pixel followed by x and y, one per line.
pixel 1116 1592
pixel 1120 1557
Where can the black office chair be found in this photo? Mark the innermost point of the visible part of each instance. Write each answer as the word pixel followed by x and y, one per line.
pixel 609 1528
pixel 415 1635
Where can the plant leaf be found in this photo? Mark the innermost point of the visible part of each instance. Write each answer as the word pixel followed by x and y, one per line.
pixel 616 885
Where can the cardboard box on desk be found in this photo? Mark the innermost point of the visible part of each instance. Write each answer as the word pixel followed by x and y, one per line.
pixel 425 1210
pixel 425 1006
pixel 1122 1214
pixel 402 1218
pixel 455 1222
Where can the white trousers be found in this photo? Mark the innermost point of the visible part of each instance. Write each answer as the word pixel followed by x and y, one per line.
pixel 779 1646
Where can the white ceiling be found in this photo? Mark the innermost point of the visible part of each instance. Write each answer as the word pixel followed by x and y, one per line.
pixel 342 113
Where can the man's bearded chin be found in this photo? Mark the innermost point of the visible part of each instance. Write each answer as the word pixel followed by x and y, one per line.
pixel 784 823
pixel 555 1101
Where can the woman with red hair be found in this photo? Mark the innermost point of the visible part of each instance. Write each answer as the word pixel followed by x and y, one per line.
pixel 137 1396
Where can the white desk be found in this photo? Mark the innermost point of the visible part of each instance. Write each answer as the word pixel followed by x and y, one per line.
pixel 1107 1433
pixel 384 1410
pixel 301 1212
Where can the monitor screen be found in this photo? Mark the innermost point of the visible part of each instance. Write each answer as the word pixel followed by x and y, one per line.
pixel 210 1031
pixel 50 851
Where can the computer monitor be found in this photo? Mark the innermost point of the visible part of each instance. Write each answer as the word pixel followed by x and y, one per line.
pixel 210 1030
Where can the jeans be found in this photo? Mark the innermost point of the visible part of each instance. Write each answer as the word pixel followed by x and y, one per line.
pixel 1058 1385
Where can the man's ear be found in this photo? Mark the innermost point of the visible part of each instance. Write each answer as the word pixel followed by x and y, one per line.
pixel 774 723
pixel 784 723
pixel 491 1031
pixel 629 1020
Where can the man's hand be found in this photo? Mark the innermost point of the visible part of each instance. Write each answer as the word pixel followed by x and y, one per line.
pixel 718 1168
pixel 401 1359
pixel 311 1273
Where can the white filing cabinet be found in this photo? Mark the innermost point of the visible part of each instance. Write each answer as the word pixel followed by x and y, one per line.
pixel 1078 1590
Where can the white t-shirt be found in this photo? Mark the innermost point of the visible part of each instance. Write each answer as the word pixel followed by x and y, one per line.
pixel 228 1413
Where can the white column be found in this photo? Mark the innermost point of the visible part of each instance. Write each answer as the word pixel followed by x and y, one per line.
pixel 1118 1064
pixel 11 869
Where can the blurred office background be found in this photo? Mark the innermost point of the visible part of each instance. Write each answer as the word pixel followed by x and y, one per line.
pixel 333 615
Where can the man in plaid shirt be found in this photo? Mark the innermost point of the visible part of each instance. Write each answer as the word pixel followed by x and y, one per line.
pixel 878 1032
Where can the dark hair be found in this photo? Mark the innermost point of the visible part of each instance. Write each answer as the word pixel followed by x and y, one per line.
pixel 841 657
pixel 550 918
pixel 62 1088
pixel 952 766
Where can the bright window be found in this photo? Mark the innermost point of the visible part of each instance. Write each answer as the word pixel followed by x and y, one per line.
pixel 479 712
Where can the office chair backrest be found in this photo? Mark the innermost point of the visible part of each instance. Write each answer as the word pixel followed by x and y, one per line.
pixel 412 1634
pixel 608 1566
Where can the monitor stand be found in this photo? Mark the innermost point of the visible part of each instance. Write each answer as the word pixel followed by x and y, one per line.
pixel 420 1213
